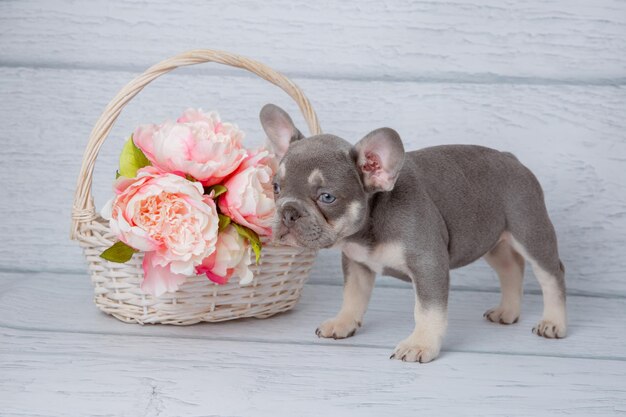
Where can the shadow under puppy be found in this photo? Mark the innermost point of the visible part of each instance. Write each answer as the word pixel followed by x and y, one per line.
pixel 414 216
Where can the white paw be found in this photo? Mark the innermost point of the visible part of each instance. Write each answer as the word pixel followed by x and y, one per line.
pixel 338 328
pixel 409 351
pixel 550 329
pixel 502 315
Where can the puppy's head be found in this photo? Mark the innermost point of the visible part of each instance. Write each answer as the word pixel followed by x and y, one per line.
pixel 323 183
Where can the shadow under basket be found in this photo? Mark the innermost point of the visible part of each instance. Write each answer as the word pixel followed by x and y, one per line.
pixel 278 277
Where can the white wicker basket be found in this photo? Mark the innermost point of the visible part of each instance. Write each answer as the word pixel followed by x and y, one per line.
pixel 278 278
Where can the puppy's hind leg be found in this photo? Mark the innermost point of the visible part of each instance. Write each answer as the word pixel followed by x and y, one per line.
pixel 550 273
pixel 532 235
pixel 509 265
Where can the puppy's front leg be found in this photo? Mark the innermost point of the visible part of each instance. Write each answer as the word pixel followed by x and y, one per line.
pixel 431 283
pixel 357 289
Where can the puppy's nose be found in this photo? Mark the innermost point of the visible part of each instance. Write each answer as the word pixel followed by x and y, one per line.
pixel 290 215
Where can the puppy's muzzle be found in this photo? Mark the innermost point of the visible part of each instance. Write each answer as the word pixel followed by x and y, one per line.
pixel 287 215
pixel 290 216
pixel 290 213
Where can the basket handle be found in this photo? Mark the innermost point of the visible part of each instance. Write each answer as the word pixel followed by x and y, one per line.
pixel 83 209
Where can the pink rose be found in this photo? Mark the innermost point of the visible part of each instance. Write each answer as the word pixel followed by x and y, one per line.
pixel 231 256
pixel 170 219
pixel 249 200
pixel 198 144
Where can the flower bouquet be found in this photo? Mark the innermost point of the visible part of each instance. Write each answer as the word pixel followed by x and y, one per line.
pixel 193 200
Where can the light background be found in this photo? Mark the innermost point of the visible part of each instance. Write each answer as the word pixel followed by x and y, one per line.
pixel 542 79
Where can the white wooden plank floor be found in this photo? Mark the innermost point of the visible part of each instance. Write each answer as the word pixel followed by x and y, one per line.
pixel 75 360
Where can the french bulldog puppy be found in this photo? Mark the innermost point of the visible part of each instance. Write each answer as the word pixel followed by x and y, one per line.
pixel 414 216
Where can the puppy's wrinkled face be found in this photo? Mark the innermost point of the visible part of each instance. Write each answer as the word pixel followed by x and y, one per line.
pixel 323 183
pixel 319 195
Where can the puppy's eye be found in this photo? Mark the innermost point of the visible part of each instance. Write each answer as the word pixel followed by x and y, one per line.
pixel 326 198
pixel 276 188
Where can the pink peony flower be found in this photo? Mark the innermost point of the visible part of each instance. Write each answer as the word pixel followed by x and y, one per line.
pixel 170 219
pixel 198 144
pixel 249 200
pixel 231 256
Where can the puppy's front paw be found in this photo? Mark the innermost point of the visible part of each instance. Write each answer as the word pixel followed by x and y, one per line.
pixel 410 351
pixel 338 328
pixel 550 329
pixel 502 315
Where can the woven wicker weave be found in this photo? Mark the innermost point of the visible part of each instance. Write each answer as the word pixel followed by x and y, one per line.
pixel 278 278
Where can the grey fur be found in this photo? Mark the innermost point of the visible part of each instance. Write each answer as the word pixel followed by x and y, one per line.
pixel 449 205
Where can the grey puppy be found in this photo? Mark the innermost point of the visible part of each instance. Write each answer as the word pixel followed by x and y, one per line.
pixel 415 216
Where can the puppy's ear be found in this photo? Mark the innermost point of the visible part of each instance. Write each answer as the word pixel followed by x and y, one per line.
pixel 379 157
pixel 279 128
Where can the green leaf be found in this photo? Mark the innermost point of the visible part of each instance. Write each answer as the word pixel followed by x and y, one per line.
pixel 217 189
pixel 120 252
pixel 251 236
pixel 224 222
pixel 256 247
pixel 117 174
pixel 131 159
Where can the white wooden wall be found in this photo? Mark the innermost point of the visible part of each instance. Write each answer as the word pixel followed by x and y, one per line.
pixel 543 79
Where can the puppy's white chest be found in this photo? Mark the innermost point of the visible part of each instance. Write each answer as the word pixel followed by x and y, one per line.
pixel 357 253
pixel 386 255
